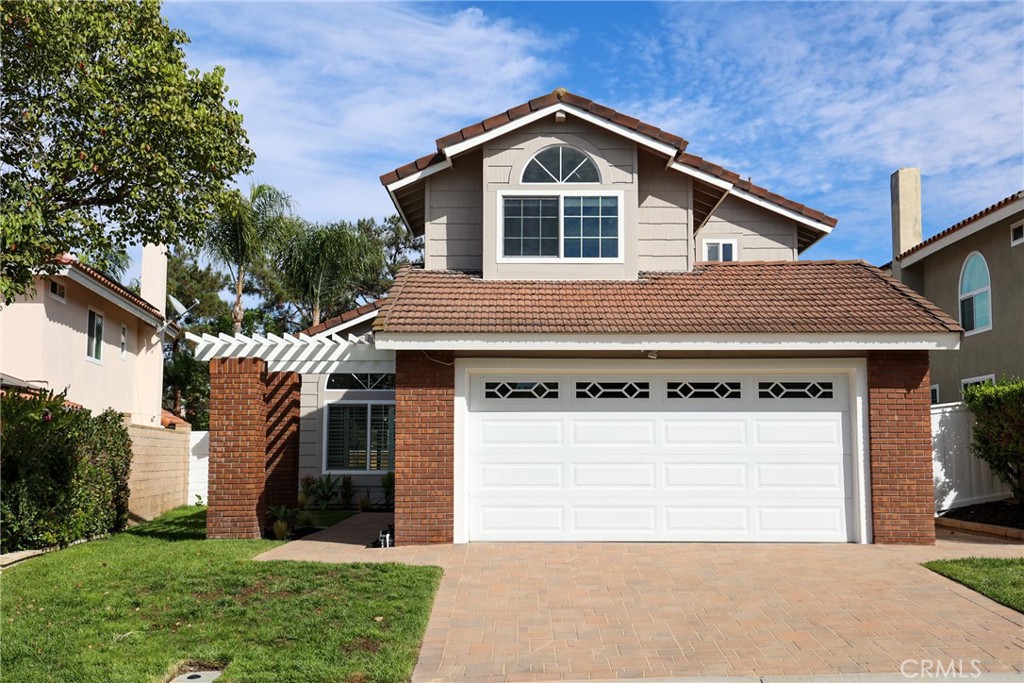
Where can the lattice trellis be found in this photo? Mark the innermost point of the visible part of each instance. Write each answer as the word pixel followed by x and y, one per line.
pixel 303 354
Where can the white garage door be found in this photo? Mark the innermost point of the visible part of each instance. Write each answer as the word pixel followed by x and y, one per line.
pixel 659 457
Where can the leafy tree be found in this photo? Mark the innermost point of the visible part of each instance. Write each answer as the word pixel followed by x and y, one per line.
pixel 998 433
pixel 398 246
pixel 107 137
pixel 243 233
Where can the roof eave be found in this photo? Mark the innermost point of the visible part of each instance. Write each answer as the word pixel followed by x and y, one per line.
pixel 923 251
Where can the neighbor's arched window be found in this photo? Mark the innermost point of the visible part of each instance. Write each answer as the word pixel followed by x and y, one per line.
pixel 975 295
pixel 561 164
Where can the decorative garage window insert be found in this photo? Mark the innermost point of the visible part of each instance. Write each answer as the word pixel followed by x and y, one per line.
pixel 521 390
pixel 613 389
pixel 712 390
pixel 820 390
pixel 361 381
pixel 360 436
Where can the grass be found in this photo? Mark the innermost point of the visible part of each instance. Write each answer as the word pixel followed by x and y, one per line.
pixel 999 579
pixel 136 606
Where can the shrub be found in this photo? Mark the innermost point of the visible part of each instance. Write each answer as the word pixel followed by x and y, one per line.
pixel 64 473
pixel 325 490
pixel 348 491
pixel 999 429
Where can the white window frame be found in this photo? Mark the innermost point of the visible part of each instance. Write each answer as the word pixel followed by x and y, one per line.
pixel 1019 241
pixel 352 402
pixel 124 341
pixel 89 335
pixel 558 191
pixel 933 392
pixel 720 242
pixel 979 379
pixel 559 182
pixel 61 287
pixel 973 293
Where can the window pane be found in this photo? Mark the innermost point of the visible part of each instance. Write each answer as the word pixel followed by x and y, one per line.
pixel 360 381
pixel 609 206
pixel 609 227
pixel 572 206
pixel 549 246
pixel 531 227
pixel 573 248
pixel 549 227
pixel 982 310
pixel 346 437
pixel 713 252
pixel 967 313
pixel 727 251
pixel 591 206
pixel 534 173
pixel 531 207
pixel 573 226
pixel 591 227
pixel 531 247
pixel 975 274
pixel 591 248
pixel 382 437
pixel 610 248
pixel 513 247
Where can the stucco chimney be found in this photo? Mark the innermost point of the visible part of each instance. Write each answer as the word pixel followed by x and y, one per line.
pixel 905 193
pixel 153 281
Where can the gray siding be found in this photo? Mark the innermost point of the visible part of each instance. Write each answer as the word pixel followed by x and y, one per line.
pixel 760 234
pixel 454 209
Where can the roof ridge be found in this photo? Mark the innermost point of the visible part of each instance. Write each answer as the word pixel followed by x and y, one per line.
pixel 922 303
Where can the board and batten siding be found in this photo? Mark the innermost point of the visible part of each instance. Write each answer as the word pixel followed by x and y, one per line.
pixel 663 217
pixel 760 234
pixel 454 201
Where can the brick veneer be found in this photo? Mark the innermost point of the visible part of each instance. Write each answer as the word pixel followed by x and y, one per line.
pixel 424 447
pixel 238 438
pixel 282 400
pixel 902 495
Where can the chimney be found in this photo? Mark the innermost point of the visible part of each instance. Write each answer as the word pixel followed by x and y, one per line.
pixel 905 194
pixel 153 281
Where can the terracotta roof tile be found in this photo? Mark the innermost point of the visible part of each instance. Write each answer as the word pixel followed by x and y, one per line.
pixel 803 297
pixel 964 223
pixel 343 318
pixel 112 285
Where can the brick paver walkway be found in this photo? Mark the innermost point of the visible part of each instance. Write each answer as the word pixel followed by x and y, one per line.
pixel 536 611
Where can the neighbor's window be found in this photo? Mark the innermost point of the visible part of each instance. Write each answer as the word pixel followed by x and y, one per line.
pixel 975 295
pixel 934 390
pixel 94 349
pixel 58 291
pixel 124 342
pixel 564 222
pixel 719 250
pixel 360 436
pixel 1017 234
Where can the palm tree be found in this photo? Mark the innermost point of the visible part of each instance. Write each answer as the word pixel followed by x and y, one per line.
pixel 244 231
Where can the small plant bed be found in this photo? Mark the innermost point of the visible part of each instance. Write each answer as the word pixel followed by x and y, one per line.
pixel 1000 513
pixel 1000 579
pixel 318 520
pixel 160 598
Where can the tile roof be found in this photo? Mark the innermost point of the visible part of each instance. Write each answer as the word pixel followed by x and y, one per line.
pixel 653 132
pixel 963 224
pixel 343 318
pixel 806 297
pixel 112 285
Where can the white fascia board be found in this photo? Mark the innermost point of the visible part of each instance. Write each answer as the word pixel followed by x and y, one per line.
pixel 92 285
pixel 788 213
pixel 344 326
pixel 419 175
pixel 701 175
pixel 398 207
pixel 671 342
pixel 996 216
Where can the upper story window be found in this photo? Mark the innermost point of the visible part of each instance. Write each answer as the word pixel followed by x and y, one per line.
pixel 561 222
pixel 561 164
pixel 975 295
pixel 1017 233
pixel 94 350
pixel 58 291
pixel 720 250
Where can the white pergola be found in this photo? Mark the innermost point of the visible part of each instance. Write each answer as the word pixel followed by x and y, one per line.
pixel 320 354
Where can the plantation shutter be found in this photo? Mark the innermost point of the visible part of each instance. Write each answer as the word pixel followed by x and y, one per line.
pixel 346 437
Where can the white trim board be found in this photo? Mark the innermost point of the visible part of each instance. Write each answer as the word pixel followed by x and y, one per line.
pixel 92 285
pixel 668 342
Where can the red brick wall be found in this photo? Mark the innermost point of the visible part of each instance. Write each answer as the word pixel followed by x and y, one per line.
pixel 424 447
pixel 282 399
pixel 902 494
pixel 238 438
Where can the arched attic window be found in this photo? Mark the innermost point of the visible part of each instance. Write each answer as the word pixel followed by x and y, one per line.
pixel 975 294
pixel 561 164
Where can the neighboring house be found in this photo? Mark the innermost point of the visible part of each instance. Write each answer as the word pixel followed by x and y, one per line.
pixel 974 271
pixel 610 339
pixel 83 332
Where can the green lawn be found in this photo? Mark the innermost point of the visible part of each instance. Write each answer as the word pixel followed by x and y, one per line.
pixel 999 579
pixel 134 606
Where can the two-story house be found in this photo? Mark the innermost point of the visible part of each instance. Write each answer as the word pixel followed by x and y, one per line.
pixel 610 339
pixel 973 270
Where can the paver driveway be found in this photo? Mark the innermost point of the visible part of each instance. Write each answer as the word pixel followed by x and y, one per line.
pixel 523 611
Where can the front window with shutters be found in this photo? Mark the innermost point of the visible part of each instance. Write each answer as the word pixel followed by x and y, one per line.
pixel 359 437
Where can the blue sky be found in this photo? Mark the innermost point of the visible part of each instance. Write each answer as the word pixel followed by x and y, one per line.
pixel 819 102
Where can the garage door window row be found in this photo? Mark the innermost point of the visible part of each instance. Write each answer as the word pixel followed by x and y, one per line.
pixel 641 390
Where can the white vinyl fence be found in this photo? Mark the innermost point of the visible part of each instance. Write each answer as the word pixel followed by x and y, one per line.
pixel 198 466
pixel 960 478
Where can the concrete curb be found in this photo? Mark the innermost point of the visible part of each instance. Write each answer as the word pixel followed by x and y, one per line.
pixel 979 528
pixel 895 677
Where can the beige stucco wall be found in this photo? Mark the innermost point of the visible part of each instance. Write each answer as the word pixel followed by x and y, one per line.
pixel 760 234
pixel 311 433
pixel 999 350
pixel 159 475
pixel 44 340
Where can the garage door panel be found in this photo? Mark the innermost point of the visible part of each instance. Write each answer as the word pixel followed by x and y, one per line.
pixel 706 476
pixel 522 476
pixel 802 476
pixel 521 518
pixel 825 429
pixel 807 519
pixel 707 519
pixel 497 431
pixel 699 430
pixel 613 476
pixel 612 431
pixel 614 518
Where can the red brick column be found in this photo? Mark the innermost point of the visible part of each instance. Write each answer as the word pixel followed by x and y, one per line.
pixel 238 437
pixel 282 476
pixel 424 447
pixel 902 493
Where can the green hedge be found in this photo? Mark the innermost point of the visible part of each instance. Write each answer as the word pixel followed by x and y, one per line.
pixel 999 429
pixel 63 473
